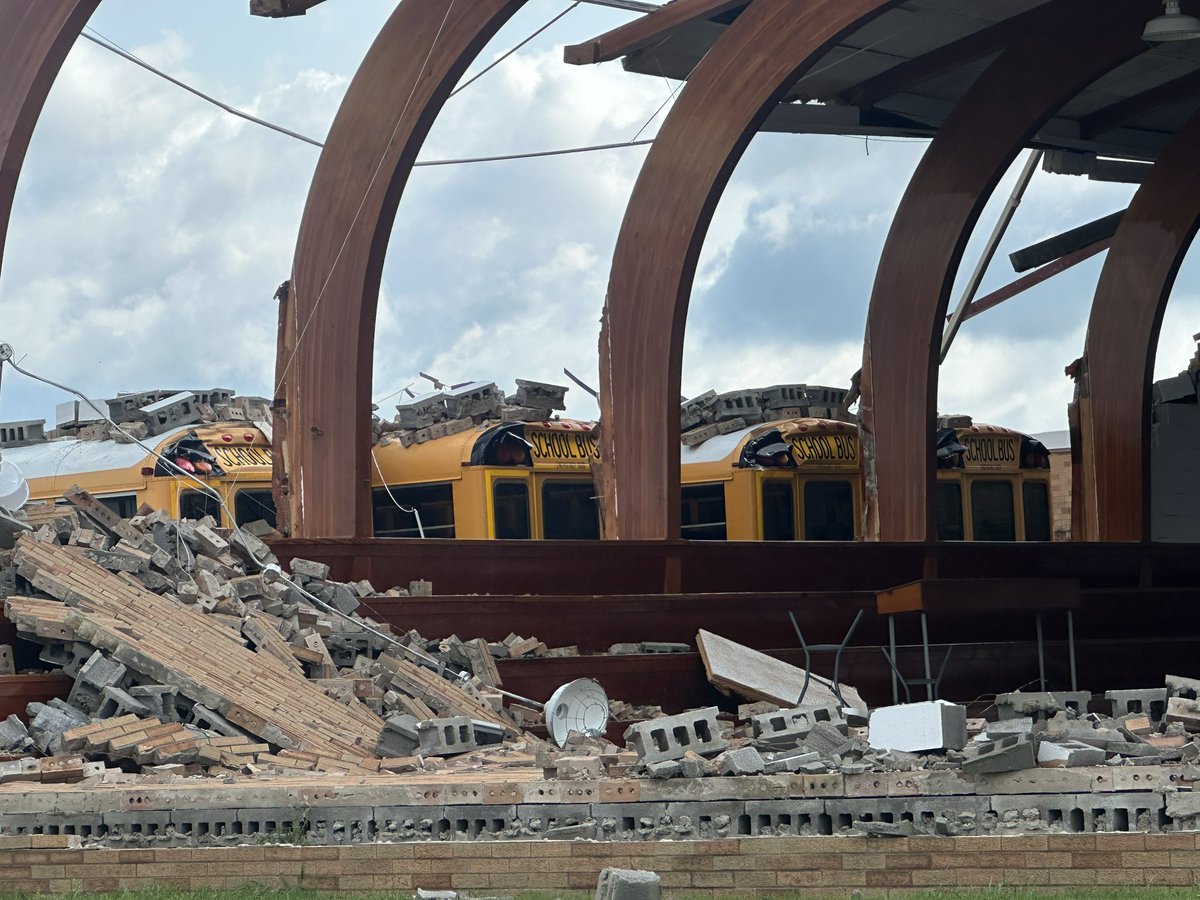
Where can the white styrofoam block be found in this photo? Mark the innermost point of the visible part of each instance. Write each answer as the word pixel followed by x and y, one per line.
pixel 913 727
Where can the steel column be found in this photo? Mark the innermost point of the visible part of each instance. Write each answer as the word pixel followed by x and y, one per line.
pixel 1122 340
pixel 733 89
pixel 419 55
pixel 1075 43
pixel 34 41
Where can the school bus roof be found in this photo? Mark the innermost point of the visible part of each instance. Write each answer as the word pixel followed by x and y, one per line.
pixel 47 459
pixel 728 447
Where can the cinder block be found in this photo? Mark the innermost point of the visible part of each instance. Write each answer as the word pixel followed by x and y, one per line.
pixel 479 398
pixel 540 395
pixel 171 412
pixel 670 737
pixel 628 884
pixel 447 736
pixel 1005 755
pixel 1149 701
pixel 914 727
pixel 1041 705
pixel 1068 754
pixel 796 722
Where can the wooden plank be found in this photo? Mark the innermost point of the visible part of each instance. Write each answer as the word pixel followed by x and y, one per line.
pixel 756 676
pixel 649 29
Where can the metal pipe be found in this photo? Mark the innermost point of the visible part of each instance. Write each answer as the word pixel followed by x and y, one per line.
pixel 989 250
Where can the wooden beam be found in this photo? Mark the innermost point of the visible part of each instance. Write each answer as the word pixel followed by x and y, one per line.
pixel 1122 338
pixel 944 59
pixel 1072 46
pixel 1025 282
pixel 1059 245
pixel 1185 87
pixel 649 29
pixel 419 55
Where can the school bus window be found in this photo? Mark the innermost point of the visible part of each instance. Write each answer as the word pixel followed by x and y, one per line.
pixel 569 511
pixel 434 503
pixel 702 517
pixel 510 501
pixel 828 511
pixel 1036 497
pixel 992 516
pixel 778 508
pixel 251 506
pixel 197 505
pixel 124 505
pixel 949 511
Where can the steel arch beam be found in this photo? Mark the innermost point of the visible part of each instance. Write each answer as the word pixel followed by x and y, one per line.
pixel 324 430
pixel 34 41
pixel 1122 340
pixel 1039 72
pixel 733 89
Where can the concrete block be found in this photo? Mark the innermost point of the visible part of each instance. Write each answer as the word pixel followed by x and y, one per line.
pixel 170 412
pixel 1150 701
pixel 1178 387
pixel 115 702
pixel 7 666
pixel 743 761
pixel 1184 711
pixel 422 411
pixel 1177 686
pixel 14 736
pixel 1005 755
pixel 101 672
pixel 670 737
pixel 628 884
pixel 160 699
pixel 698 436
pixel 700 410
pixel 933 725
pixel 739 405
pixel 317 571
pixel 479 398
pixel 828 740
pixel 1040 706
pixel 1068 754
pixel 446 736
pixel 50 721
pixel 797 721
pixel 540 395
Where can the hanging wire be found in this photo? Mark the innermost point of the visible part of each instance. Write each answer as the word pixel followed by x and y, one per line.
pixel 466 84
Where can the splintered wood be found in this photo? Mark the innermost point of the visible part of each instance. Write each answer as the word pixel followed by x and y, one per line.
pixel 206 660
pixel 756 676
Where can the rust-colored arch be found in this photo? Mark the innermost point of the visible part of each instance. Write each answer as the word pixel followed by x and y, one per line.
pixel 1077 42
pixel 1122 340
pixel 34 41
pixel 729 95
pixel 324 433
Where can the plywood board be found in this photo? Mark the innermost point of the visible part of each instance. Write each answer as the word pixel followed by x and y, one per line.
pixel 734 667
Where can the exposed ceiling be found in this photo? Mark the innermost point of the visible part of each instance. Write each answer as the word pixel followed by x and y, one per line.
pixel 903 72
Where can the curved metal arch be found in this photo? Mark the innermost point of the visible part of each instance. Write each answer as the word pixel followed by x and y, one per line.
pixel 1077 43
pixel 727 98
pixel 1122 340
pixel 34 41
pixel 324 433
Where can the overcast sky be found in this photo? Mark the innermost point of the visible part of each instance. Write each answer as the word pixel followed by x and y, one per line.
pixel 151 229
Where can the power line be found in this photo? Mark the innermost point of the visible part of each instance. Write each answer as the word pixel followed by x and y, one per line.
pixel 532 155
pixel 466 84
pixel 108 45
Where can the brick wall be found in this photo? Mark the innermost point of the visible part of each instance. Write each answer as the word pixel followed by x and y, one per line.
pixel 1060 494
pixel 877 866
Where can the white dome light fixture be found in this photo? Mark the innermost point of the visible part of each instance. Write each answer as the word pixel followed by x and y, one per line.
pixel 14 489
pixel 1172 25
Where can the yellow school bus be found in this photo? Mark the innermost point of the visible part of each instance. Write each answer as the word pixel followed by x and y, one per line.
pixel 799 479
pixel 233 458
pixel 796 479
pixel 514 481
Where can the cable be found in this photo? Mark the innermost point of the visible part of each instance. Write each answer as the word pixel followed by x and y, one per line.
pixel 533 155
pixel 366 193
pixel 104 42
pixel 204 487
pixel 474 78
pixel 416 514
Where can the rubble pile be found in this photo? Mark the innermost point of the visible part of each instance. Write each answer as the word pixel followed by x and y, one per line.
pixel 711 414
pixel 451 410
pixel 139 415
